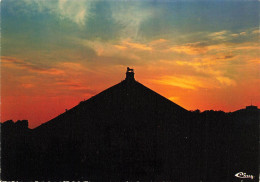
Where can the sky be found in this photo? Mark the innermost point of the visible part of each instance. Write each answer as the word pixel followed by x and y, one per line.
pixel 55 53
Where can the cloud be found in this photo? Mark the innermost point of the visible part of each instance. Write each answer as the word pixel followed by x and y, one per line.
pixel 222 36
pixel 248 46
pixel 223 32
pixel 226 81
pixel 158 41
pixel 72 66
pixel 216 42
pixel 257 31
pixel 120 47
pixel 189 48
pixel 229 36
pixel 130 15
pixel 185 82
pixel 206 71
pixel 122 50
pixel 154 45
pixel 75 86
pixel 77 11
pixel 65 77
pixel 194 82
pixel 135 45
pixel 21 64
pixel 226 57
pixel 242 33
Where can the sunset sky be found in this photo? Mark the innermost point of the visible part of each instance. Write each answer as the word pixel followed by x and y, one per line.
pixel 55 53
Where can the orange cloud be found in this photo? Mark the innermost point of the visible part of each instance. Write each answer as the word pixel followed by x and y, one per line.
pixel 120 47
pixel 139 46
pixel 21 64
pixel 158 41
pixel 221 35
pixel 188 82
pixel 257 31
pixel 190 49
pixel 226 81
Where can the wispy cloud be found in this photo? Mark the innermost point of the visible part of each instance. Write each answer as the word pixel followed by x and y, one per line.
pixel 75 86
pixel 135 45
pixel 78 11
pixel 187 82
pixel 222 35
pixel 130 16
pixel 21 64
pixel 189 48
pixel 226 81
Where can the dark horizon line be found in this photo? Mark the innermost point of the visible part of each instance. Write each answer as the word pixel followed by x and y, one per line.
pixel 195 111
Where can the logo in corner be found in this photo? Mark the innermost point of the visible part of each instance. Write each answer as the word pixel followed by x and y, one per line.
pixel 244 175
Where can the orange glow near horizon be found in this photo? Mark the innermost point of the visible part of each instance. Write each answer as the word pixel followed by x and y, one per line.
pixel 39 102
